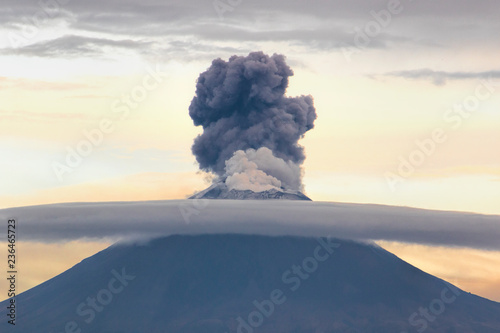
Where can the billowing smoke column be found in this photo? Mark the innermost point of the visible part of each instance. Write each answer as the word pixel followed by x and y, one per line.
pixel 250 129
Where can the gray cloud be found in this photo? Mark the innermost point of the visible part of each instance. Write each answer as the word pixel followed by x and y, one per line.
pixel 195 42
pixel 322 26
pixel 18 14
pixel 105 13
pixel 75 46
pixel 126 220
pixel 439 78
pixel 241 104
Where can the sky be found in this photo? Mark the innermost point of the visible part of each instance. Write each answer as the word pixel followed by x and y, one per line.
pixel 94 99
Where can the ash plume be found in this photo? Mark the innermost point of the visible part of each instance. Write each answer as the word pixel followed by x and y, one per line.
pixel 241 105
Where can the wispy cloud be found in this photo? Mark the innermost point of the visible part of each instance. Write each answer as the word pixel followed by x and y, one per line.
pixel 75 46
pixel 439 78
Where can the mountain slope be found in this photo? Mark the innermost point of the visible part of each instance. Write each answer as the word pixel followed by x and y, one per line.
pixel 226 283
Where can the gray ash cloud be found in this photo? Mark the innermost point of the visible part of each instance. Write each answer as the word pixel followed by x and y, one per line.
pixel 241 105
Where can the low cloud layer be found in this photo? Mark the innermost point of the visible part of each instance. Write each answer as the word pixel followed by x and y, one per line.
pixel 128 220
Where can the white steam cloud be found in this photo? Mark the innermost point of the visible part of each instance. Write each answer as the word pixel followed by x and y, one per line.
pixel 259 170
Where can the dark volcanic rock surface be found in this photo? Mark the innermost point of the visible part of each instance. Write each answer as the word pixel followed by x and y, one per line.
pixel 206 283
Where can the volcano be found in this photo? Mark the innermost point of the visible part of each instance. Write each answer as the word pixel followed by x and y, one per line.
pixel 221 191
pixel 248 283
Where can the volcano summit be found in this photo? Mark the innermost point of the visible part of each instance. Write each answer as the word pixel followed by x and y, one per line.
pixel 221 191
